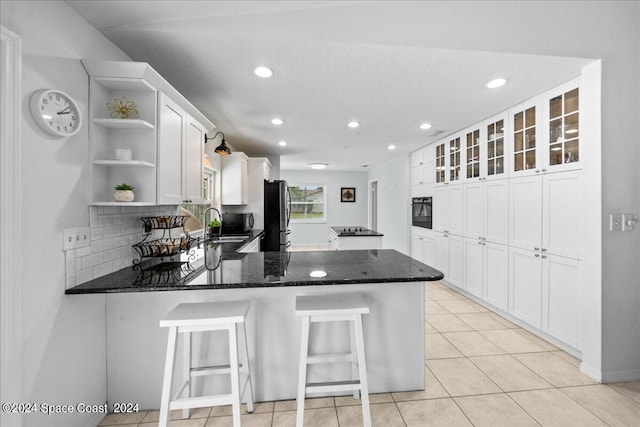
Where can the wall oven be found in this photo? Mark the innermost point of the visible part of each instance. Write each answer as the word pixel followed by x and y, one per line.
pixel 422 212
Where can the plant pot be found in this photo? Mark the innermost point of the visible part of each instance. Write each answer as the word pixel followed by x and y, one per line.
pixel 123 196
pixel 214 231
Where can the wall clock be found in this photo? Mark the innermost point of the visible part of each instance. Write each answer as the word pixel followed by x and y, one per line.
pixel 55 112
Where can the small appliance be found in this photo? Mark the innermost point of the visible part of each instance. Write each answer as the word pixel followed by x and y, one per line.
pixel 236 223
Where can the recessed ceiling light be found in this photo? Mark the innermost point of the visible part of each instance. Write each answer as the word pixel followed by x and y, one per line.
pixel 282 143
pixel 353 124
pixel 318 165
pixel 425 126
pixel 277 121
pixel 264 72
pixel 318 274
pixel 496 83
pixel 391 147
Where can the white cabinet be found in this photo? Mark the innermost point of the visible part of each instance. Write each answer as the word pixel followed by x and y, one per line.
pixel 525 286
pixel 259 170
pixel 423 245
pixel 422 172
pixel 449 257
pixel 562 298
pixel 545 292
pixel 546 213
pixel 353 242
pixel 486 272
pixel 252 246
pixel 165 136
pixel 486 216
pixel 448 209
pixel 235 186
pixel 179 137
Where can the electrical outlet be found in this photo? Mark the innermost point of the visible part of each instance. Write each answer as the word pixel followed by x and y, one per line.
pixel 628 222
pixel 75 238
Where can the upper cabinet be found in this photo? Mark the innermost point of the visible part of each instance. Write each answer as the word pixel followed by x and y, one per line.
pixel 142 132
pixel 563 115
pixel 422 172
pixel 235 187
pixel 179 137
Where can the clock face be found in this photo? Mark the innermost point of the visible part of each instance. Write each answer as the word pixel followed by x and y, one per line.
pixel 55 112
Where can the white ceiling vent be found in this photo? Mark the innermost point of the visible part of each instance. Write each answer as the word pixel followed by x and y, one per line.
pixel 435 133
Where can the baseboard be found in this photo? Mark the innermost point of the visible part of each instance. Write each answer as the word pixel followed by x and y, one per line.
pixel 620 376
pixel 594 373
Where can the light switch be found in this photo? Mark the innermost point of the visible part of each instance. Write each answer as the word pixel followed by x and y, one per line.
pixel 75 238
pixel 615 222
pixel 628 222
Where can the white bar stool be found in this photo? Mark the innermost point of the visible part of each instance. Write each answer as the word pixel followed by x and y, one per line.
pixel 203 317
pixel 333 308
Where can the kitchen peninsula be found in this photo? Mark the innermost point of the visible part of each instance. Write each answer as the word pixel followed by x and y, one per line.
pixel 391 283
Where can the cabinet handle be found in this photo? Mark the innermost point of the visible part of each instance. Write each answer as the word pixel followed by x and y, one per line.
pixel 537 255
pixel 536 249
pixel 544 250
pixel 544 170
pixel 479 243
pixel 544 256
pixel 537 171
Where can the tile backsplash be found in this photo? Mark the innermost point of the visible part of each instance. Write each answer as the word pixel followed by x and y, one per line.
pixel 114 229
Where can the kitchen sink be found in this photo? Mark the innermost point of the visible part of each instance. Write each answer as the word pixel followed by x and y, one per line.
pixel 236 238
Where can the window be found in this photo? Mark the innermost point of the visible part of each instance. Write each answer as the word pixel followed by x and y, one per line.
pixel 308 203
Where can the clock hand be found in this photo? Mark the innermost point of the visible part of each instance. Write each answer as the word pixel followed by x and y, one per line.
pixel 66 110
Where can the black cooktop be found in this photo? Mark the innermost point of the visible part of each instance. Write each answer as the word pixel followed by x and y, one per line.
pixel 355 231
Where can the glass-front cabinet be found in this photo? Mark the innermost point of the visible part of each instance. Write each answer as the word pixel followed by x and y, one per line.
pixel 441 166
pixel 564 129
pixel 495 158
pixel 473 153
pixel 525 150
pixel 454 159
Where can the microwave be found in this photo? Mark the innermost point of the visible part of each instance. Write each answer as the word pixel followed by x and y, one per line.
pixel 422 212
pixel 236 223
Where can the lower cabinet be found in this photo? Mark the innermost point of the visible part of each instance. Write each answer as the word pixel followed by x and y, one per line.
pixel 449 257
pixel 486 271
pixel 545 292
pixel 423 247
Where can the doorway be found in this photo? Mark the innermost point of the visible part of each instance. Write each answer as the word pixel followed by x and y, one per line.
pixel 373 204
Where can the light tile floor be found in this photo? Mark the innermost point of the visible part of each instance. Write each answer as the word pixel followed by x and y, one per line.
pixel 482 370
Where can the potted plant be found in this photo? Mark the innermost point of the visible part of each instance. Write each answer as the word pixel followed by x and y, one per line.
pixel 124 193
pixel 214 228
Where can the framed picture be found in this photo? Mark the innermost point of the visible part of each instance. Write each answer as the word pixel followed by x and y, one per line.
pixel 348 194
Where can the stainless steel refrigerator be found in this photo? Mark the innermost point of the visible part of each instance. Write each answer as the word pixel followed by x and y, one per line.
pixel 277 213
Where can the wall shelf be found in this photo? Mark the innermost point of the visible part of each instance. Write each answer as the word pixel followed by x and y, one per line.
pixel 125 163
pixel 124 123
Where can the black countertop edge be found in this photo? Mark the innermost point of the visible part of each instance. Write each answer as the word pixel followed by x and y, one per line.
pixel 217 268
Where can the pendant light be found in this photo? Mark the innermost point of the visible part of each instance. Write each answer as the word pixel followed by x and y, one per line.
pixel 221 149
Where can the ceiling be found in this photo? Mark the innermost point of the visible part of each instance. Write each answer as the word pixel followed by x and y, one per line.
pixel 333 62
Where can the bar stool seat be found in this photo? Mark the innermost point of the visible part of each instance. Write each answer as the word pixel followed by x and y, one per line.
pixel 333 308
pixel 203 317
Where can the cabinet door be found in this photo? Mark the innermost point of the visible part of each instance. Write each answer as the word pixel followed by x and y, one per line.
pixel 474 203
pixel 496 275
pixel 429 251
pixel 496 211
pixel 172 122
pixel 456 260
pixel 525 221
pixel 442 253
pixel 193 154
pixel 417 247
pixel 562 141
pixel 441 209
pixel 524 125
pixel 234 179
pixel 525 286
pixel 456 210
pixel 417 158
pixel 562 308
pixel 562 214
pixel 417 176
pixel 494 148
pixel 474 266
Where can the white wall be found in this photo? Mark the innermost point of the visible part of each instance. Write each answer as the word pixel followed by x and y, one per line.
pixel 338 213
pixel 394 201
pixel 64 336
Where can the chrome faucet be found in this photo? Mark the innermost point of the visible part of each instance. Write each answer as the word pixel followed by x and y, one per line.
pixel 204 219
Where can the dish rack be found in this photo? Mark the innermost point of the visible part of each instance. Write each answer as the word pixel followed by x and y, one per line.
pixel 168 273
pixel 167 245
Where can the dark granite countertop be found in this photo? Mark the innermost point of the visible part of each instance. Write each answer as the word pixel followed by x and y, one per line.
pixel 355 231
pixel 212 267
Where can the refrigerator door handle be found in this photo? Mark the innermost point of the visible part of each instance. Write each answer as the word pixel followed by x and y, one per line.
pixel 289 205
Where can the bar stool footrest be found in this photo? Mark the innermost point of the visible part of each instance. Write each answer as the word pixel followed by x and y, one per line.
pixel 349 385
pixel 212 370
pixel 201 401
pixel 330 358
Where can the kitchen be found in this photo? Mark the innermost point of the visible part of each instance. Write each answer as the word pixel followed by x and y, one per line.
pixel 59 336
